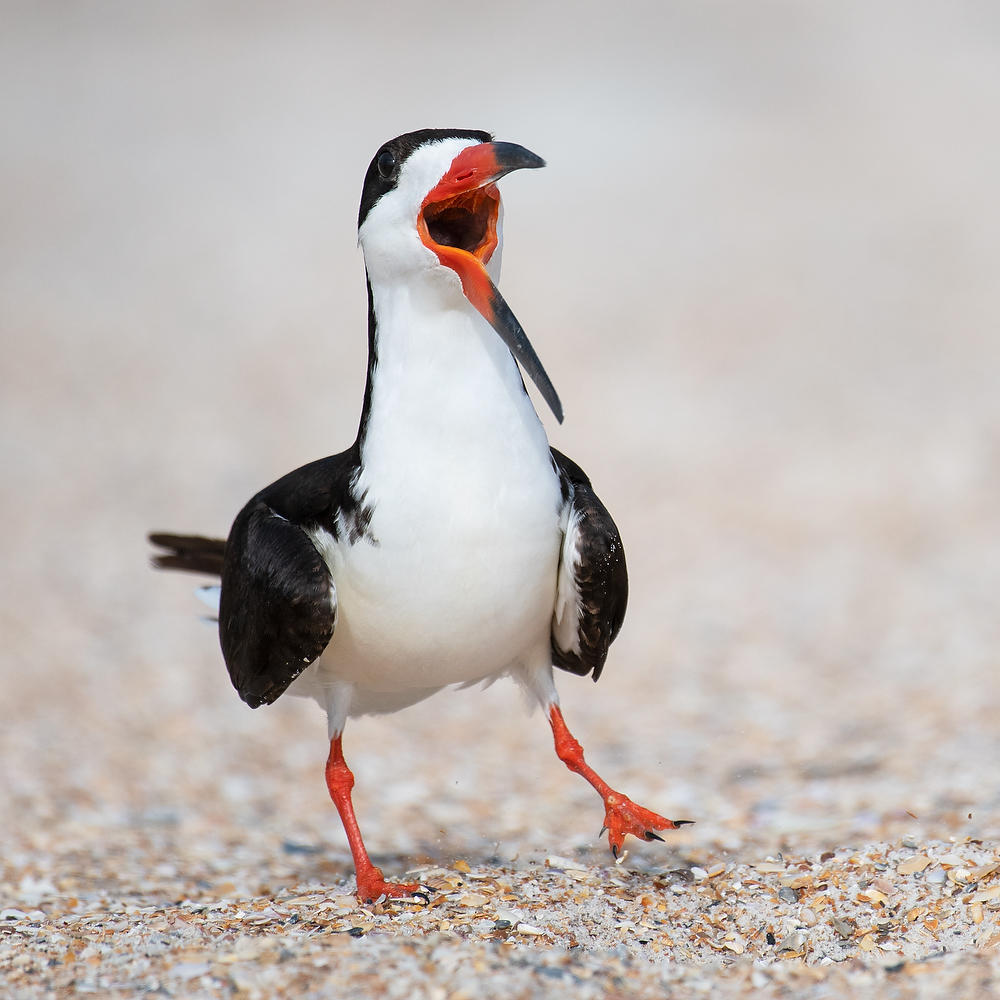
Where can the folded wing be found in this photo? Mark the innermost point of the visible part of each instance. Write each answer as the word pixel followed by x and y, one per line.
pixel 592 587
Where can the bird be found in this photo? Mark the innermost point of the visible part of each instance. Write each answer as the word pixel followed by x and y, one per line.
pixel 450 544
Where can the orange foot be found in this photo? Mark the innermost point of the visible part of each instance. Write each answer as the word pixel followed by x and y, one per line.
pixel 623 816
pixel 371 885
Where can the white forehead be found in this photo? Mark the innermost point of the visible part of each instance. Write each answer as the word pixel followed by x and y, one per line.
pixel 423 168
pixel 428 164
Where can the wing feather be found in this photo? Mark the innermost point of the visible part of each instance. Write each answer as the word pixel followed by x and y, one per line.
pixel 593 579
pixel 278 604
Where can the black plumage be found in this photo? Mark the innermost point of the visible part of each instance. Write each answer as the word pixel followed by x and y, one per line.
pixel 191 553
pixel 278 606
pixel 600 575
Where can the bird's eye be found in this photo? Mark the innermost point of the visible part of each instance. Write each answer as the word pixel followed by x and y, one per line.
pixel 386 164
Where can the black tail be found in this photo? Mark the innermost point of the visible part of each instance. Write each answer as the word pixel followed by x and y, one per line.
pixel 191 553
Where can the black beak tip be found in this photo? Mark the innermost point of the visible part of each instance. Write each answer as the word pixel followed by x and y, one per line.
pixel 511 156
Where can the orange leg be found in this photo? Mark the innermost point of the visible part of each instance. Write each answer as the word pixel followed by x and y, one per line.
pixel 340 781
pixel 621 814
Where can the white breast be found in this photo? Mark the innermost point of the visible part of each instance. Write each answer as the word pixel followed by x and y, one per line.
pixel 459 581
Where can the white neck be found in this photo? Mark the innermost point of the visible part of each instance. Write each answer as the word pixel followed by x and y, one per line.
pixel 444 384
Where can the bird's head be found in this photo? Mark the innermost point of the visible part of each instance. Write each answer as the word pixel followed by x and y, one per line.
pixel 431 212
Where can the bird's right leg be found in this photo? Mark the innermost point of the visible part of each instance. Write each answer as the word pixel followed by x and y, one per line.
pixel 340 781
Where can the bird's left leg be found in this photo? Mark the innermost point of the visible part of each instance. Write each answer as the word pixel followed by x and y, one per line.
pixel 621 815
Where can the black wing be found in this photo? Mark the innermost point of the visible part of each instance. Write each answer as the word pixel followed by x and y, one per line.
pixel 593 580
pixel 278 606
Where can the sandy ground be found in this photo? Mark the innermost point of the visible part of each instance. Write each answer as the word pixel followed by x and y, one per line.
pixel 761 270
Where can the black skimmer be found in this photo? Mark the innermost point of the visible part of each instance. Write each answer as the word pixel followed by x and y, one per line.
pixel 449 544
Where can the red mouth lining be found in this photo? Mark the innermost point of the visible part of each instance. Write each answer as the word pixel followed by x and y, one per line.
pixel 465 222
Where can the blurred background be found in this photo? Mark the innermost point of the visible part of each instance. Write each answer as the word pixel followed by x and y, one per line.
pixel 761 269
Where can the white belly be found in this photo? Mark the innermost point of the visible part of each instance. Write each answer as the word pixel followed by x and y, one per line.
pixel 463 599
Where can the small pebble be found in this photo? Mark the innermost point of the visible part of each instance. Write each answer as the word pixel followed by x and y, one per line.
pixel 190 970
pixel 845 928
pixel 529 929
pixel 564 864
pixel 792 942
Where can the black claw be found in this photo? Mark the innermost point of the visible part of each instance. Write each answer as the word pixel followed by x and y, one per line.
pixel 683 822
pixel 651 835
pixel 604 830
pixel 614 851
pixel 424 894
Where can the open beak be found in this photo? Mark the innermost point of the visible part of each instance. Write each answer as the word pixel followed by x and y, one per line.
pixel 458 221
